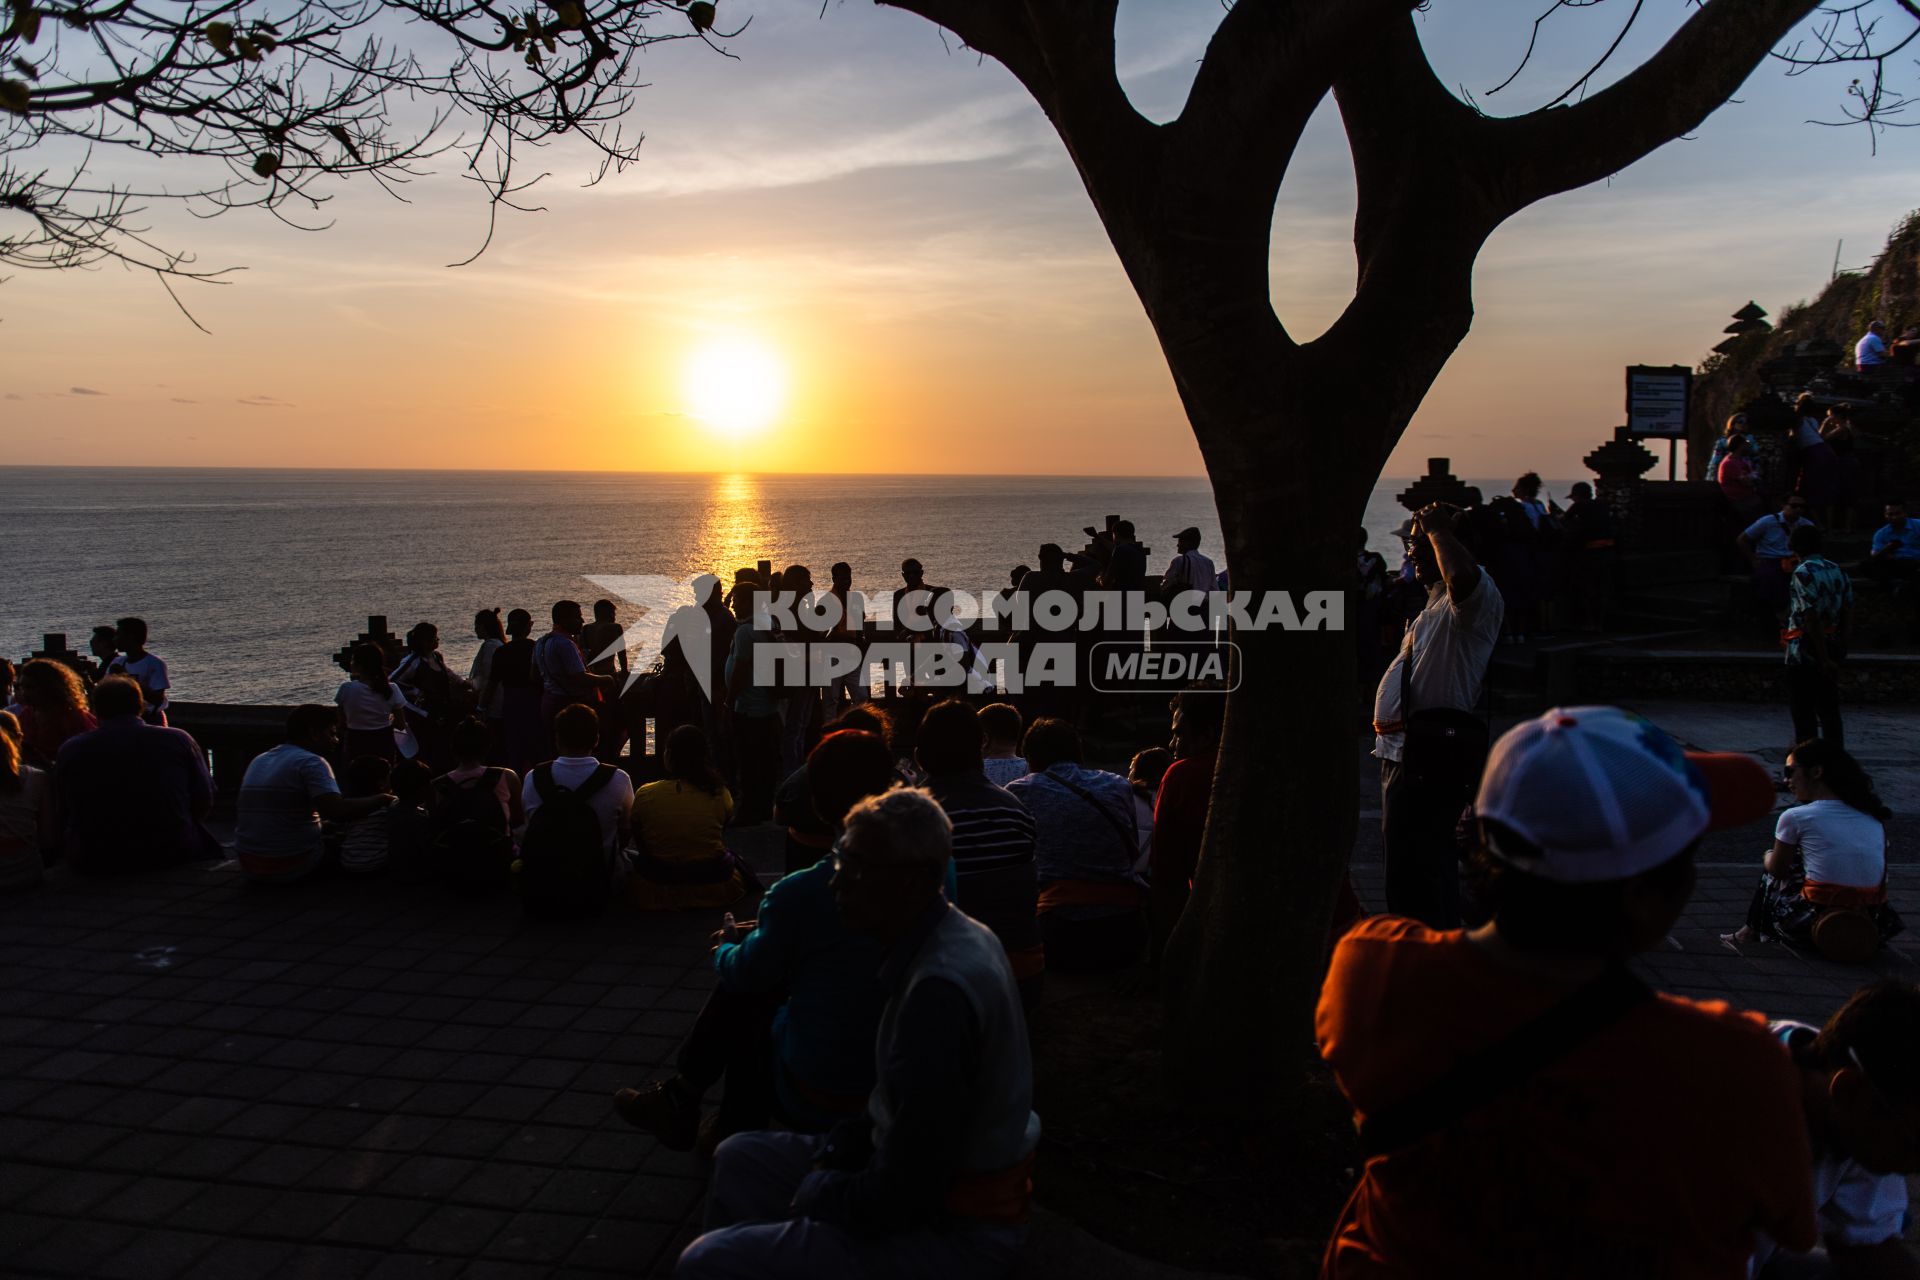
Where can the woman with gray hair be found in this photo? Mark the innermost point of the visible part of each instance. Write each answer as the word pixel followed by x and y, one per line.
pixel 934 1178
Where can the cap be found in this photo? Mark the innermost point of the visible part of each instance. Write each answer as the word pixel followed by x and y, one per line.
pixel 1405 531
pixel 1603 794
pixel 1188 532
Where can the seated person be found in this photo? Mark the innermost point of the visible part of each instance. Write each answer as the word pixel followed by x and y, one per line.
pixel 1527 1107
pixel 576 734
pixel 29 837
pixel 1145 772
pixel 993 838
pixel 1861 1085
pixel 131 795
pixel 1829 850
pixel 409 827
pixel 363 841
pixel 1896 545
pixel 1091 903
pixel 1002 760
pixel 287 793
pixel 791 1024
pixel 680 858
pixel 473 809
pixel 934 1180
pixel 808 838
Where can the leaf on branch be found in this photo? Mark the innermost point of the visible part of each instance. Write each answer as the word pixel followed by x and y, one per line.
pixel 249 48
pixel 341 136
pixel 25 24
pixel 220 36
pixel 266 164
pixel 26 68
pixel 701 14
pixel 13 96
pixel 572 16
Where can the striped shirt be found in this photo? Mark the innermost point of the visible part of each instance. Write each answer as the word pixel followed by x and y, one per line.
pixel 993 839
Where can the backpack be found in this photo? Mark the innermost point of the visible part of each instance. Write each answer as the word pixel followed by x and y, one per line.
pixel 563 867
pixel 472 851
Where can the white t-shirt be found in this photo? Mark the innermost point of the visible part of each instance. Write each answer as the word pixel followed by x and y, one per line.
pixel 1451 641
pixel 1806 433
pixel 275 817
pixel 149 670
pixel 1771 536
pixel 1189 571
pixel 1839 844
pixel 610 803
pixel 1852 1205
pixel 481 671
pixel 1870 350
pixel 364 709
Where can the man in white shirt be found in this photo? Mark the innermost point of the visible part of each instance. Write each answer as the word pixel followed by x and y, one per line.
pixel 146 669
pixel 1860 1079
pixel 1871 350
pixel 576 732
pixel 1190 569
pixel 1442 664
pixel 285 795
pixel 1767 544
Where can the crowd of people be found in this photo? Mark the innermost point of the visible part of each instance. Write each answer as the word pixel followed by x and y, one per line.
pixel 867 1035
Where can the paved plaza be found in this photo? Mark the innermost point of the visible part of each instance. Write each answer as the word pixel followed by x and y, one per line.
pixel 201 1077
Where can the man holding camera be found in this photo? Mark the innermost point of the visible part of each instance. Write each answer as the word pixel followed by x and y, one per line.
pixel 1430 744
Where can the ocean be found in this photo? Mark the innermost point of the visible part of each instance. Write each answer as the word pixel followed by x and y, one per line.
pixel 251 580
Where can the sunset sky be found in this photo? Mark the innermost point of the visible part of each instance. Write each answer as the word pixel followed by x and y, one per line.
pixel 895 228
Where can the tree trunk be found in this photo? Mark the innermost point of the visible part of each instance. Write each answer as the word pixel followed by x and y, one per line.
pixel 1293 457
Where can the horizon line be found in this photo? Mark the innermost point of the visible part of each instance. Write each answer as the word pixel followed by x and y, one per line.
pixel 614 471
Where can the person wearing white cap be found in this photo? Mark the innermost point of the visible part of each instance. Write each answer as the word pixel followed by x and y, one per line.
pixel 1428 690
pixel 1526 1106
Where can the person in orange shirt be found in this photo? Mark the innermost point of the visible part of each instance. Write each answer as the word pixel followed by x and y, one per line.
pixel 1527 1107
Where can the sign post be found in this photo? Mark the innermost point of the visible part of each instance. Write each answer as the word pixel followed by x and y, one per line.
pixel 1657 400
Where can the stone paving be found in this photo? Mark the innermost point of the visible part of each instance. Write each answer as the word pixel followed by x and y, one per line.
pixel 200 1077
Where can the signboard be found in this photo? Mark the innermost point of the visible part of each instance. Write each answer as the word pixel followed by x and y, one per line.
pixel 1657 398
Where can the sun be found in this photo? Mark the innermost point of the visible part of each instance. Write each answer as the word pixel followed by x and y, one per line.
pixel 735 385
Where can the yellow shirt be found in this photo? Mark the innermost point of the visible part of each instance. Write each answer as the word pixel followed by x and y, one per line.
pixel 678 822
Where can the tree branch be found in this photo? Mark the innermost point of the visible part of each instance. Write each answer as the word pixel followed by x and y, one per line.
pixel 1558 149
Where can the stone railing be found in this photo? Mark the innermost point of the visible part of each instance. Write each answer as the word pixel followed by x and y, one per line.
pixel 231 735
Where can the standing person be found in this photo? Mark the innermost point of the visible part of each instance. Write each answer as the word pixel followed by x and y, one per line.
pixel 145 669
pixel 1766 545
pixel 1829 850
pixel 1002 759
pixel 680 858
pixel 1518 523
pixel 1737 429
pixel 1819 615
pixel 848 628
pixel 1839 434
pixel 371 705
pixel 1739 480
pixel 51 705
pixel 1127 568
pixel 993 839
pixel 489 694
pixel 1818 465
pixel 132 796
pixel 935 1179
pixel 1510 1082
pixel 29 837
pixel 521 691
pixel 104 645
pixel 287 793
pixel 1191 569
pixel 756 716
pixel 1180 813
pixel 798 705
pixel 1422 723
pixel 435 696
pixel 1860 1083
pixel 564 678
pixel 1589 531
pixel 603 642
pixel 1091 902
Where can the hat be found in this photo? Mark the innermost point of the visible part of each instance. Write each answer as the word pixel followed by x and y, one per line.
pixel 1405 531
pixel 1189 532
pixel 1602 794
